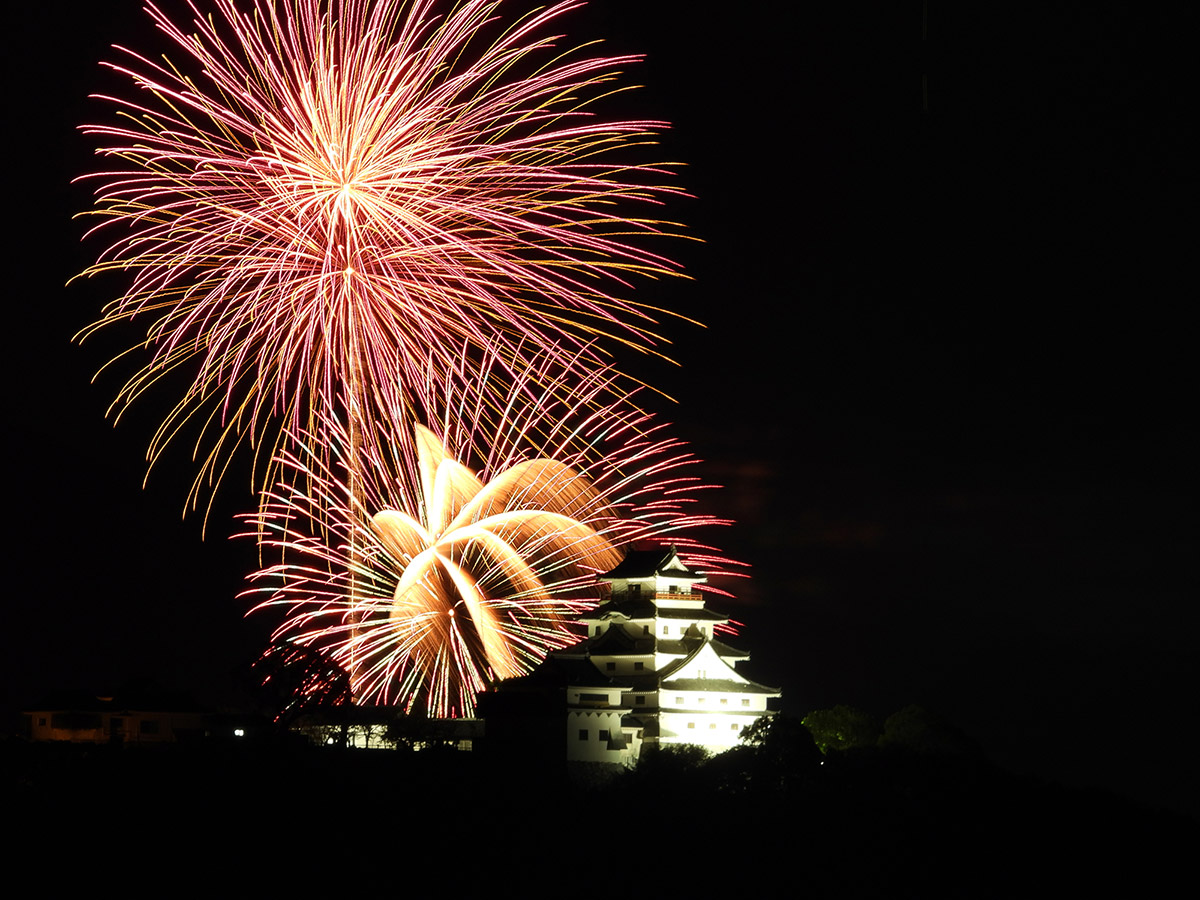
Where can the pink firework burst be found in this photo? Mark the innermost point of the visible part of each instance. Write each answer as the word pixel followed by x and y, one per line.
pixel 320 202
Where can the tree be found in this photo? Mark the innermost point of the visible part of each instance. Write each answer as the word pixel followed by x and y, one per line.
pixel 842 728
pixel 915 728
pixel 296 681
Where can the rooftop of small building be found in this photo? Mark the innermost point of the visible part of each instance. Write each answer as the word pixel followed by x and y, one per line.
pixel 127 699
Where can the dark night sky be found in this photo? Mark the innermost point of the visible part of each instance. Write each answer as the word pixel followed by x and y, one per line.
pixel 943 375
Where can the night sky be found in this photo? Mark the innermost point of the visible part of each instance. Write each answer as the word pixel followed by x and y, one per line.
pixel 942 377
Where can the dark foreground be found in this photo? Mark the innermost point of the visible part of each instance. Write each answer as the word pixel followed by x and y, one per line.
pixel 777 819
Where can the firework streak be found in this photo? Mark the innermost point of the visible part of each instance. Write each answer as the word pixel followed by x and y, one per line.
pixel 320 201
pixel 425 609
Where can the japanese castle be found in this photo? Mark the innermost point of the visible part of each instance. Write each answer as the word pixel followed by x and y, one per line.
pixel 650 670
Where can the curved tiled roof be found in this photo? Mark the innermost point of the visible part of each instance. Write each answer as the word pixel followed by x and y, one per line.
pixel 648 609
pixel 722 685
pixel 648 563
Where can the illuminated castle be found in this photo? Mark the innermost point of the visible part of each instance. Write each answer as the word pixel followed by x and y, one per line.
pixel 650 669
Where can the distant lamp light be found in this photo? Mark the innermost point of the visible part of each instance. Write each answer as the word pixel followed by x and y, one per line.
pixel 239 732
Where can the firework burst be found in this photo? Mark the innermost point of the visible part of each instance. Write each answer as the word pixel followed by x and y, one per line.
pixel 320 200
pixel 427 595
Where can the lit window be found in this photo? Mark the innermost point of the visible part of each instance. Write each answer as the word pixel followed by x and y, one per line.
pixel 666 630
pixel 733 727
pixel 691 724
pixel 701 700
pixel 724 701
pixel 678 701
pixel 712 724
pixel 745 703
pixel 583 734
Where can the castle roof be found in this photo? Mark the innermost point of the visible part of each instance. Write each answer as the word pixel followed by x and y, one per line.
pixel 648 609
pixel 685 680
pixel 617 642
pixel 649 563
pixel 721 685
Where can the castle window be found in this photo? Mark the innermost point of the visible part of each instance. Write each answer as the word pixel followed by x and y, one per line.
pixel 645 629
pixel 604 734
pixel 724 701
pixel 610 667
pixel 666 630
pixel 641 701
pixel 678 701
pixel 733 727
pixel 583 734
pixel 691 724
pixel 745 703
pixel 712 724
pixel 639 666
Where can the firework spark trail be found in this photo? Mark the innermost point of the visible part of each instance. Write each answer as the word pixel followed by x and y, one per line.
pixel 341 195
pixel 487 575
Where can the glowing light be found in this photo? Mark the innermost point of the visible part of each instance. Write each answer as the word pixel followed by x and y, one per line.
pixel 320 201
pixel 465 518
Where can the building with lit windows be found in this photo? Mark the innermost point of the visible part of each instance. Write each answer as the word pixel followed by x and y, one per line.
pixel 129 717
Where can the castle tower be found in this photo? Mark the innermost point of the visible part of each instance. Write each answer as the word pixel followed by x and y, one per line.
pixel 651 671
